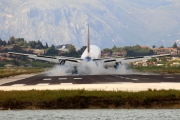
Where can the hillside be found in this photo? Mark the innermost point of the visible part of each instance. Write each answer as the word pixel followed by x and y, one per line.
pixel 120 22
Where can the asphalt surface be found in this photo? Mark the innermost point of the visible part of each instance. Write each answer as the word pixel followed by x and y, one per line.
pixel 95 79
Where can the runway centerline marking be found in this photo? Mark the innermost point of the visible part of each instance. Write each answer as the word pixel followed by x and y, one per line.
pixel 77 78
pixel 135 79
pixel 62 79
pixel 47 79
pixel 18 85
pixel 43 84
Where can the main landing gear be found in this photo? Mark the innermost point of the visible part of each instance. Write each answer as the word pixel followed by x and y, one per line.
pixel 116 66
pixel 75 71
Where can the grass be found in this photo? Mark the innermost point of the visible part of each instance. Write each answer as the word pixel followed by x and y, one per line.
pixel 6 72
pixel 159 69
pixel 76 99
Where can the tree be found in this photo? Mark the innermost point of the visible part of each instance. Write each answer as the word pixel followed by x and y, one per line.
pixel 175 45
pixel 25 44
pixel 53 47
pixel 109 50
pixel 38 47
pixel 32 44
pixel 46 45
pixel 114 48
pixel 52 51
pixel 162 46
pixel 153 46
pixel 137 48
pixel 15 62
pixel 17 48
pixel 19 40
pixel 71 48
pixel 4 43
pixel 21 43
pixel 39 43
pixel 11 40
pixel 1 42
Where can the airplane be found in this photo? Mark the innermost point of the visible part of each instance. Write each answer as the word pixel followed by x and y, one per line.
pixel 91 54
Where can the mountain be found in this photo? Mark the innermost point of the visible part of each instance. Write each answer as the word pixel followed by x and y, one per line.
pixel 112 22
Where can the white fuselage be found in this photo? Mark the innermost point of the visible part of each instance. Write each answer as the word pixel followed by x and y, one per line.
pixel 94 53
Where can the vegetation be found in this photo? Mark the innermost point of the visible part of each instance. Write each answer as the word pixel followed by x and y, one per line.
pixel 132 51
pixel 19 43
pixel 31 67
pixel 157 69
pixel 52 51
pixel 76 99
pixel 72 51
pixel 25 66
pixel 137 51
pixel 175 45
pixel 18 71
pixel 22 61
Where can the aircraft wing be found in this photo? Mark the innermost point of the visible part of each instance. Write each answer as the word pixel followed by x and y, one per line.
pixel 55 59
pixel 133 59
pixel 128 59
pixel 75 61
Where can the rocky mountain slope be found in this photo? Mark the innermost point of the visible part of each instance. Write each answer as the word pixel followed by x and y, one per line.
pixel 112 22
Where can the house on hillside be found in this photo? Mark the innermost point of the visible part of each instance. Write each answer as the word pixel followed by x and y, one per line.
pixel 172 51
pixel 175 64
pixel 105 54
pixel 138 63
pixel 9 66
pixel 27 49
pixel 64 48
pixel 151 63
pixel 8 47
pixel 121 53
pixel 145 47
pixel 38 51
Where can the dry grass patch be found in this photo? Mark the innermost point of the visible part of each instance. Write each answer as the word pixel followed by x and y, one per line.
pixel 6 72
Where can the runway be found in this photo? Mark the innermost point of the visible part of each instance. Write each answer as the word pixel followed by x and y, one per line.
pixel 132 82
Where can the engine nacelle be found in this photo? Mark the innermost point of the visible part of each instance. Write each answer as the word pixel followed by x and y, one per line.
pixel 62 62
pixel 109 63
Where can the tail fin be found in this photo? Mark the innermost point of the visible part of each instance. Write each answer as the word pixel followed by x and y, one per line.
pixel 88 46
